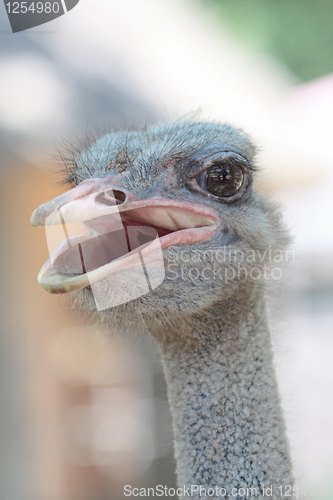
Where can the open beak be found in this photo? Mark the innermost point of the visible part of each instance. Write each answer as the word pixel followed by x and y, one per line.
pixel 98 229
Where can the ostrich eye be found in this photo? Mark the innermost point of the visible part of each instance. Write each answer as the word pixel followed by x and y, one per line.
pixel 221 179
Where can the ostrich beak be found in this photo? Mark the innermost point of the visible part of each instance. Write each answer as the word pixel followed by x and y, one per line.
pixel 98 229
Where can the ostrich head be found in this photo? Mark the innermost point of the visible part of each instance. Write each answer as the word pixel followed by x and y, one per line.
pixel 189 183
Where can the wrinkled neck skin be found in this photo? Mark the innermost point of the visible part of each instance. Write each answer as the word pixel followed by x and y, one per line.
pixel 227 416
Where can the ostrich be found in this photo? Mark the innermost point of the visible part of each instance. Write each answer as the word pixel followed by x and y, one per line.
pixel 190 183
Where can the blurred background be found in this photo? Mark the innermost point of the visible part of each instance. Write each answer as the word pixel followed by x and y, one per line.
pixel 81 415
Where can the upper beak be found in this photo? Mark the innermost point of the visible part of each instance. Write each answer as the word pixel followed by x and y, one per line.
pixel 98 229
pixel 41 214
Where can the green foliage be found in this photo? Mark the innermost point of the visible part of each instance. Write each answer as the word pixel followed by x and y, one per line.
pixel 297 32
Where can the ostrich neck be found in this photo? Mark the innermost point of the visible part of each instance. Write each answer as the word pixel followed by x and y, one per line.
pixel 227 417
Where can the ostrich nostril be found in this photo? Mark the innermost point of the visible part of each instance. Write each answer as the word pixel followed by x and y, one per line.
pixel 111 197
pixel 119 195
